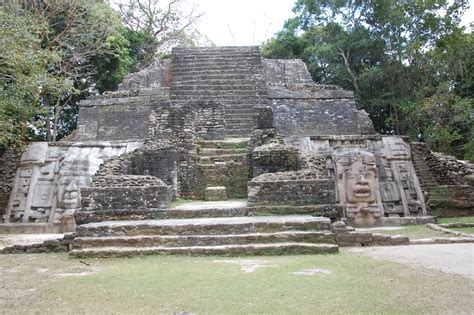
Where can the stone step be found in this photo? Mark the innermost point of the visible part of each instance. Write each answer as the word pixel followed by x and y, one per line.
pixel 222 158
pixel 234 143
pixel 239 113
pixel 227 250
pixel 222 93
pixel 231 51
pixel 181 73
pixel 82 217
pixel 205 68
pixel 313 237
pixel 213 152
pixel 238 132
pixel 219 57
pixel 248 125
pixel 212 63
pixel 231 225
pixel 212 89
pixel 244 113
pixel 177 213
pixel 213 77
pixel 226 98
pixel 214 50
pixel 208 209
pixel 220 96
pixel 215 193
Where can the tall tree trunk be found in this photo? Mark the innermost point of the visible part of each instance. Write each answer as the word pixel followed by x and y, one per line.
pixel 57 111
pixel 348 68
pixel 47 119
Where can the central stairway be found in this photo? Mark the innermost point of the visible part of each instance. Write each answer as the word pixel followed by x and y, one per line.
pixel 207 228
pixel 232 76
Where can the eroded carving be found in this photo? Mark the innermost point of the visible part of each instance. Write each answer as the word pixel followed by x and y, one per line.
pixel 357 181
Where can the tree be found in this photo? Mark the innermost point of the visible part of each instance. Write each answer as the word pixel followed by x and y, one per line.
pixel 88 52
pixel 400 58
pixel 25 74
pixel 156 26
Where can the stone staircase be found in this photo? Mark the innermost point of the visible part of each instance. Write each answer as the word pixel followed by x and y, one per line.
pixel 422 169
pixel 230 75
pixel 230 234
pixel 222 163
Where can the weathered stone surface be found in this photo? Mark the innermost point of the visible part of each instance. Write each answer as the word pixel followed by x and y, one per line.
pixel 172 129
pixel 448 182
pixel 291 192
pixel 47 184
pixel 9 163
pixel 215 193
pixel 235 225
pixel 357 182
pixel 247 249
pixel 205 240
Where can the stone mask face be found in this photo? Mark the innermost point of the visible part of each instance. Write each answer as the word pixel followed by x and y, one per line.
pixel 360 182
pixel 358 175
pixel 70 197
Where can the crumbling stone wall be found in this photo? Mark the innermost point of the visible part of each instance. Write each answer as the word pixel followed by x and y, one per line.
pixel 283 189
pixel 125 192
pixel 9 163
pixel 448 182
pixel 272 158
pixel 286 176
pixel 157 74
pixel 210 123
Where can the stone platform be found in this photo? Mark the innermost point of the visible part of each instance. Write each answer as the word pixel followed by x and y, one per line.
pixel 201 236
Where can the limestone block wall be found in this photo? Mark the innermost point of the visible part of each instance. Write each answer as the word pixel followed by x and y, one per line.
pixel 9 163
pixel 298 192
pixel 157 74
pixel 134 192
pixel 308 117
pixel 114 119
pixel 273 158
pixel 48 181
pixel 210 120
pixel 279 71
pixel 390 171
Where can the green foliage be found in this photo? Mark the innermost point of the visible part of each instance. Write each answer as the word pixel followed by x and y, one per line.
pixel 408 62
pixel 25 76
pixel 54 53
pixel 141 48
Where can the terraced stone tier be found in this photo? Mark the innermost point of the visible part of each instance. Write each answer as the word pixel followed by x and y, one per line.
pixel 205 240
pixel 205 226
pixel 83 217
pixel 227 250
pixel 208 209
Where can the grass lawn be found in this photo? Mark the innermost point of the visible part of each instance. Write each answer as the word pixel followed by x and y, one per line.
pixel 464 229
pixel 349 284
pixel 413 232
pixel 456 220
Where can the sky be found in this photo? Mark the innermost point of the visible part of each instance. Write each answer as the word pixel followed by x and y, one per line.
pixel 242 22
pixel 250 22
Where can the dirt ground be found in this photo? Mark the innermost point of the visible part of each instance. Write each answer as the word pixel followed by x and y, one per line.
pixel 455 259
pixel 22 276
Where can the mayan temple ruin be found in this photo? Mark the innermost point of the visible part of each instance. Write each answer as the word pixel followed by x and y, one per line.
pixel 298 164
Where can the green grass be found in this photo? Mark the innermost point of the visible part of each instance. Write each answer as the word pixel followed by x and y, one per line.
pixel 179 202
pixel 456 220
pixel 414 232
pixel 464 229
pixel 172 284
